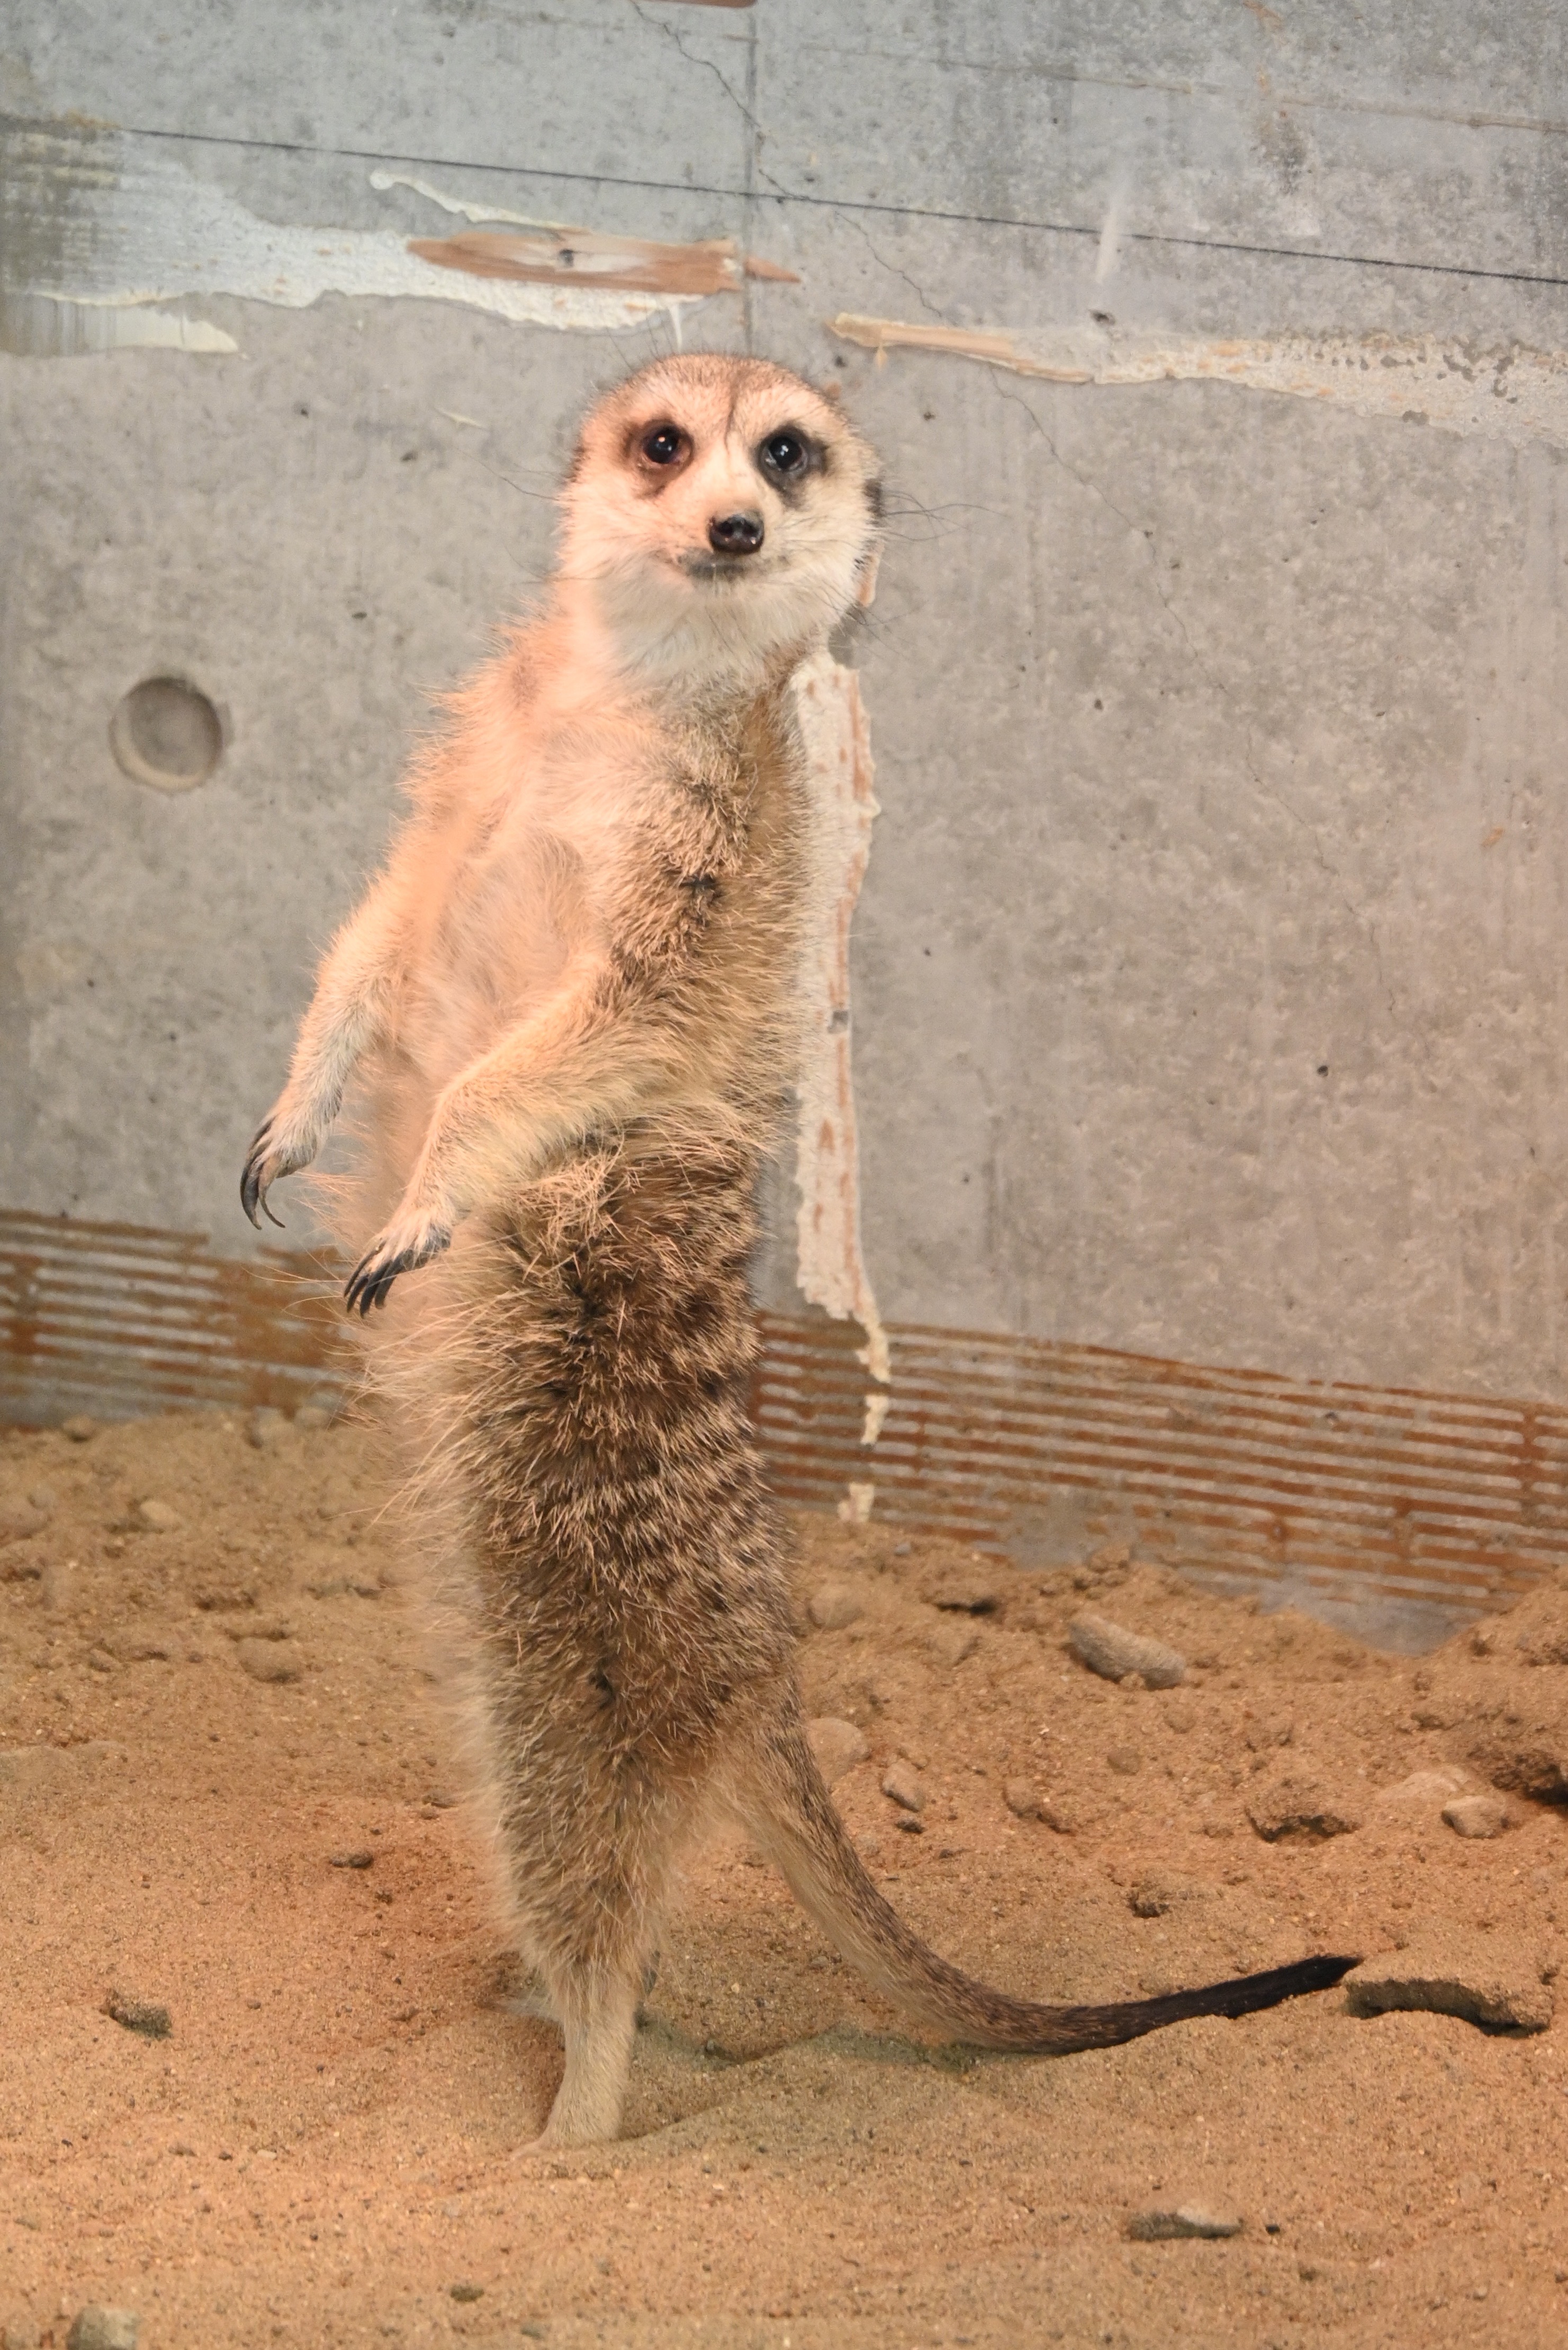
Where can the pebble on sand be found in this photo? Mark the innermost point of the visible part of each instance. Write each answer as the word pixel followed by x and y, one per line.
pixel 833 1607
pixel 901 1785
pixel 838 1746
pixel 1477 1815
pixel 1164 2223
pixel 96 2327
pixel 141 2015
pixel 1299 1805
pixel 269 1660
pixel 80 1428
pixel 158 1517
pixel 1487 1979
pixel 1021 1797
pixel 1114 1652
pixel 267 1427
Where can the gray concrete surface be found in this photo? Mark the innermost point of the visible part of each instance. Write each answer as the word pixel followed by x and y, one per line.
pixel 1210 969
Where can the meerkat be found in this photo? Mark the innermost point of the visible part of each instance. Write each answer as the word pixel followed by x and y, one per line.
pixel 569 1006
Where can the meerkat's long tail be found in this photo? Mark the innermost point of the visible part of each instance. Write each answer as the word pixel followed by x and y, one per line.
pixel 790 1814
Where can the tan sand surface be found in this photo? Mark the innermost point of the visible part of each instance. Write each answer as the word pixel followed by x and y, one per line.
pixel 325 2146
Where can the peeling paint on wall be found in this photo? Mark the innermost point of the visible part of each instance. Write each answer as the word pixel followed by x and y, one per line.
pixel 131 228
pixel 832 1270
pixel 1512 393
pixel 50 327
pixel 581 257
pixel 564 252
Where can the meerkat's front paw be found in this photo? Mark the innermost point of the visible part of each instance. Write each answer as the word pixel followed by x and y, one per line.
pixel 408 1243
pixel 277 1149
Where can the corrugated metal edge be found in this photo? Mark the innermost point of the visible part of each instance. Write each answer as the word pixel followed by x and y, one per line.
pixel 1329 1492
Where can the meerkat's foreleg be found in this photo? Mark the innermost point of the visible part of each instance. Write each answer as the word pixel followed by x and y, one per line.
pixel 581 1065
pixel 350 1011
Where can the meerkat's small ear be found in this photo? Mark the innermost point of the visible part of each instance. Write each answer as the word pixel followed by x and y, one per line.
pixel 870 564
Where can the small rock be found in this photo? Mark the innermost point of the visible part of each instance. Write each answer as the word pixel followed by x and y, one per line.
pixel 910 1823
pixel 1058 1816
pixel 1157 1894
pixel 1477 1815
pixel 138 2015
pixel 140 1648
pixel 350 1859
pixel 98 2328
pixel 1431 1786
pixel 967 1590
pixel 1296 1806
pixel 443 1799
pixel 20 1516
pixel 159 1517
pixel 1114 1652
pixel 833 1607
pixel 1125 1761
pixel 901 1785
pixel 465 2291
pixel 269 1660
pixel 952 1640
pixel 837 1745
pixel 80 1428
pixel 266 1427
pixel 1182 1719
pixel 1021 1797
pixel 1163 2224
pixel 1487 1979
pixel 43 1497
pixel 58 1586
pixel 100 1662
pixel 223 1597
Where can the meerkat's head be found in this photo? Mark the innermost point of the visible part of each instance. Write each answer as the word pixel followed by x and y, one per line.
pixel 722 515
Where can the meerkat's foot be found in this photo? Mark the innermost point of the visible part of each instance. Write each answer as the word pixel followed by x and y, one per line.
pixel 277 1148
pixel 409 1242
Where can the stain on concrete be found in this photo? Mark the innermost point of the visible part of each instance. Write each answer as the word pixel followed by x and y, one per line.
pixel 1507 392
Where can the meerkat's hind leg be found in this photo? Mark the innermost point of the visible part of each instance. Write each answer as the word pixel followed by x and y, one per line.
pixel 598 2023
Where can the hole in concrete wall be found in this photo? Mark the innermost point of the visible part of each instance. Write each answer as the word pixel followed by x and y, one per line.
pixel 166 733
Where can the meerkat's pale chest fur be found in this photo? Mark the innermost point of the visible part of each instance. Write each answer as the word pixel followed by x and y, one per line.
pixel 568 1009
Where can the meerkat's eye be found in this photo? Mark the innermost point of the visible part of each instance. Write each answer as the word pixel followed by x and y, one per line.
pixel 666 444
pixel 785 453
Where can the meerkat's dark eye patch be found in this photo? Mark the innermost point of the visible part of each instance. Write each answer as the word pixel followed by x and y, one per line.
pixel 785 455
pixel 664 446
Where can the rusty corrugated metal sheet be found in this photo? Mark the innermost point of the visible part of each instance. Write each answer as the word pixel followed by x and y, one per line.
pixel 1016 1446
pixel 115 1320
pixel 1455 1500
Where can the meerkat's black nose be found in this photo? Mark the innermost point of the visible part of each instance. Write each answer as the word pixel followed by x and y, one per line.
pixel 736 534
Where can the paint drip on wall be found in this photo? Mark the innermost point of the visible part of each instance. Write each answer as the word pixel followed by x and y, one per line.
pixel 831 1263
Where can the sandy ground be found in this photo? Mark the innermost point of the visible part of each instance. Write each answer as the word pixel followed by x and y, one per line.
pixel 324 2146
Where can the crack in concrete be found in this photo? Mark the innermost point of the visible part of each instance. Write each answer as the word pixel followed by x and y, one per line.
pixel 891 266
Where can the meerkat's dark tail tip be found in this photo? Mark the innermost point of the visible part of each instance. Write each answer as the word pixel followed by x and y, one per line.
pixel 1104 2027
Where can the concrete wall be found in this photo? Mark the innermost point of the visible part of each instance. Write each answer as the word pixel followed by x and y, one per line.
pixel 1208 972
